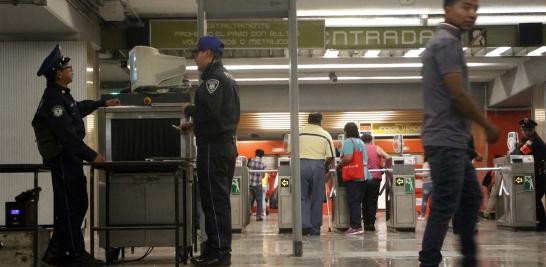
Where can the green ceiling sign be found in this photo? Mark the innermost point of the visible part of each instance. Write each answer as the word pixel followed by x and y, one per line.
pixel 412 37
pixel 181 34
pixel 378 37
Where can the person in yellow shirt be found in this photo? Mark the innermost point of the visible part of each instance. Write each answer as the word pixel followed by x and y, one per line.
pixel 316 155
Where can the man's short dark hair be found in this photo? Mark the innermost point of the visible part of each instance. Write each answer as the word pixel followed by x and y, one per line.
pixel 450 2
pixel 351 130
pixel 259 153
pixel 366 138
pixel 315 118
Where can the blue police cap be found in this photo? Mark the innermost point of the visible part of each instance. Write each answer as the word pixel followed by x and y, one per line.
pixel 527 124
pixel 55 61
pixel 212 43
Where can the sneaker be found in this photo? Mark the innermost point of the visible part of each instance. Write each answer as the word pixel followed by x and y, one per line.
pixel 354 231
pixel 259 219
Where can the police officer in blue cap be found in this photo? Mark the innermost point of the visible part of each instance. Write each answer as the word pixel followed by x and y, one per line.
pixel 532 144
pixel 59 131
pixel 215 116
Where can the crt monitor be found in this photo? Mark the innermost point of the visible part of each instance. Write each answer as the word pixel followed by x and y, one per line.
pixel 149 69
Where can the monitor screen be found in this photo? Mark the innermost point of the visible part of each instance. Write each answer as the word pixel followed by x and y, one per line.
pixel 139 139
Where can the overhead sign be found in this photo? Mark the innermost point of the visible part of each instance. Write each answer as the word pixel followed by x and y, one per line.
pixel 414 37
pixel 365 127
pixel 378 37
pixel 182 34
pixel 477 37
pixel 403 128
pixel 399 181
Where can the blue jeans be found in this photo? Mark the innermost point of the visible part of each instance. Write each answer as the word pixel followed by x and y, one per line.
pixel 257 194
pixel 427 189
pixel 313 192
pixel 456 195
pixel 355 190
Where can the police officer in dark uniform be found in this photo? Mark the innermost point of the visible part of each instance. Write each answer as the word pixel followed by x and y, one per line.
pixel 60 130
pixel 215 116
pixel 532 144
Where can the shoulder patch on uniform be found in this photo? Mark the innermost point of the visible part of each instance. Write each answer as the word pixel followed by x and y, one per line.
pixel 57 111
pixel 212 85
pixel 229 75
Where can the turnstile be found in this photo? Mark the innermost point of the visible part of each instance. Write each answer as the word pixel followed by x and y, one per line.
pixel 239 197
pixel 516 198
pixel 284 196
pixel 340 205
pixel 400 196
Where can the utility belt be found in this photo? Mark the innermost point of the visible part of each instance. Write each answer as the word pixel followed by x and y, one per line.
pixel 48 145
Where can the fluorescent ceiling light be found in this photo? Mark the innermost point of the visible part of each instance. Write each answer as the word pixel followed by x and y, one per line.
pixel 414 52
pixel 360 66
pixel 389 11
pixel 498 19
pixel 372 22
pixel 331 53
pixel 380 78
pixel 260 79
pixel 360 12
pixel 89 69
pixel 538 52
pixel 348 78
pixel 372 53
pixel 337 66
pixel 497 52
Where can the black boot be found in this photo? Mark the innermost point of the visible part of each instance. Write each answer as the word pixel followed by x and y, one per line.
pixel 215 259
pixel 54 255
pixel 84 259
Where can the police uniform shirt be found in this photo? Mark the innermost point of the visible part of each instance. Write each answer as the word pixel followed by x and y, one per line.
pixel 59 126
pixel 216 111
pixel 538 151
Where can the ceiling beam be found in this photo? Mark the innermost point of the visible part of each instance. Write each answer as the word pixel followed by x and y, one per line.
pixel 526 74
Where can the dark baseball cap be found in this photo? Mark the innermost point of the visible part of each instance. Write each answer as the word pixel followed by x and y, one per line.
pixel 212 43
pixel 54 61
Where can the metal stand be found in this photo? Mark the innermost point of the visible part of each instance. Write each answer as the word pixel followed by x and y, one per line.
pixel 27 168
pixel 175 167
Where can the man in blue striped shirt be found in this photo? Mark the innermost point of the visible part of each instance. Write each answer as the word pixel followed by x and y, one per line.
pixel 255 182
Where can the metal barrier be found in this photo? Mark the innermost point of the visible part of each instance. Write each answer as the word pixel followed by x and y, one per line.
pixel 284 196
pixel 400 194
pixel 400 198
pixel 240 196
pixel 516 206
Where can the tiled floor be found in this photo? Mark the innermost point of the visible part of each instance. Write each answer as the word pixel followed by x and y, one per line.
pixel 261 245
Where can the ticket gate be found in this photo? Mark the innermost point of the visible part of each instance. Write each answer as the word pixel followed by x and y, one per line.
pixel 284 196
pixel 400 197
pixel 340 211
pixel 239 196
pixel 516 198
